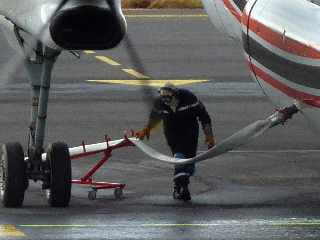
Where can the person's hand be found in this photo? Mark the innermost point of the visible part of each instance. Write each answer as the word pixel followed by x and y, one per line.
pixel 210 141
pixel 145 132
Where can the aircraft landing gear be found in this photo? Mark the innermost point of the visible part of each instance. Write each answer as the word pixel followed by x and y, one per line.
pixel 55 171
pixel 13 178
pixel 59 164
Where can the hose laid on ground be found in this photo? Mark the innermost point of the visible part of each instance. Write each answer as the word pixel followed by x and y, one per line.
pixel 236 140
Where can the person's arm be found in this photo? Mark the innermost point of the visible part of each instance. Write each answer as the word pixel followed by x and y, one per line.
pixel 153 122
pixel 206 123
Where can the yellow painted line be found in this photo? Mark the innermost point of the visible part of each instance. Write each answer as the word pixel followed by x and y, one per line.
pixel 135 73
pixel 166 16
pixel 58 225
pixel 107 60
pixel 10 231
pixel 89 52
pixel 153 83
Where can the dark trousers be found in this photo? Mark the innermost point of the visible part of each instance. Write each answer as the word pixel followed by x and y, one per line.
pixel 184 146
pixel 182 172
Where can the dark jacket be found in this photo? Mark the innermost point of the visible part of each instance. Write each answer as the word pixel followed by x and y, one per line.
pixel 181 127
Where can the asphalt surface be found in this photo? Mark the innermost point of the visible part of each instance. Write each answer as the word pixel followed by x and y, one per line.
pixel 268 189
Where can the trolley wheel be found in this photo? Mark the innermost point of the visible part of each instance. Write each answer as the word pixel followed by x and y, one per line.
pixel 58 158
pixel 13 177
pixel 118 193
pixel 92 195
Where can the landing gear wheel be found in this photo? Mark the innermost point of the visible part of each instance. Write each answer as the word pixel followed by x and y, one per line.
pixel 92 195
pixel 58 158
pixel 13 177
pixel 118 193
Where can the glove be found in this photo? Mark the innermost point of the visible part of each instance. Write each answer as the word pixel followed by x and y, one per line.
pixel 210 141
pixel 145 132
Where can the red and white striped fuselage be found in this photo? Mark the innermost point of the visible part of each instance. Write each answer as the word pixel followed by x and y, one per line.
pixel 281 41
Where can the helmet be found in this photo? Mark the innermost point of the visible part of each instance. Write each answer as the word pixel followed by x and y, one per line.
pixel 168 88
pixel 167 93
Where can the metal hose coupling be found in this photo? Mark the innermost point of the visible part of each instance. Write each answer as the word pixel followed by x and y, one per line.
pixel 282 115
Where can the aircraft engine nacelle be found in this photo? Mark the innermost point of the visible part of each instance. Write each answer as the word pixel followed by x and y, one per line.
pixel 78 25
pixel 88 26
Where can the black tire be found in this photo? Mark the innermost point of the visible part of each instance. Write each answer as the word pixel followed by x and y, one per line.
pixel 58 157
pixel 13 177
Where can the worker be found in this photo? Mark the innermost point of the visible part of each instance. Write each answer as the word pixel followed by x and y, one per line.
pixel 180 110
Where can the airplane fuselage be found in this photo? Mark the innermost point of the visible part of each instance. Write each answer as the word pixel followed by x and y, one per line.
pixel 281 46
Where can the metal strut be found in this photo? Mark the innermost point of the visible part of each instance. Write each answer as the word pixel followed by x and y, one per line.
pixel 39 70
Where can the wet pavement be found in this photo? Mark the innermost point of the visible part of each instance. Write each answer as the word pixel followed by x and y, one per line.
pixel 268 189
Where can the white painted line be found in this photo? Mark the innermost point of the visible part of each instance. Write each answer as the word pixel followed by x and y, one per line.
pixel 275 151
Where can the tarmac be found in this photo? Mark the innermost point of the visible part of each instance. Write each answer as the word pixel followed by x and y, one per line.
pixel 268 189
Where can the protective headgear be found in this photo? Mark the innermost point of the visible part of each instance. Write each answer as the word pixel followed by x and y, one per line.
pixel 167 93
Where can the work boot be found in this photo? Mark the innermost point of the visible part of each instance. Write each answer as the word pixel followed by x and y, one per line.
pixel 185 194
pixel 176 191
pixel 181 191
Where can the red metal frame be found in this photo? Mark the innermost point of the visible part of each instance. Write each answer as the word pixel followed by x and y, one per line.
pixel 87 178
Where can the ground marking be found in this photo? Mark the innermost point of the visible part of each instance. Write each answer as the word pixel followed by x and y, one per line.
pixel 10 231
pixel 89 52
pixel 279 151
pixel 107 60
pixel 151 82
pixel 290 222
pixel 166 16
pixel 274 151
pixel 135 73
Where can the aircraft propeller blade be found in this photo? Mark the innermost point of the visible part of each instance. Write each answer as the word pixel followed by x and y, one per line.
pixel 148 92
